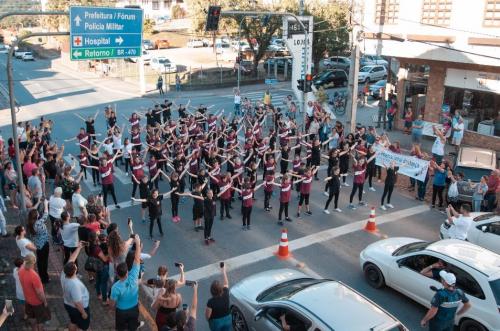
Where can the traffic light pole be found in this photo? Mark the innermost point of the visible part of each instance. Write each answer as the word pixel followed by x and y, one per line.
pixel 284 14
pixel 12 99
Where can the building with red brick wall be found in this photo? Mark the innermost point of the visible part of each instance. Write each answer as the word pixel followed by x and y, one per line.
pixel 445 60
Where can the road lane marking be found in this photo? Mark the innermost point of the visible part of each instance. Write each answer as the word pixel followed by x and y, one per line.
pixel 306 241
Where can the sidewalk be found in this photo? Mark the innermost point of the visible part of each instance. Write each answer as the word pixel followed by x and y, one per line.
pixel 102 318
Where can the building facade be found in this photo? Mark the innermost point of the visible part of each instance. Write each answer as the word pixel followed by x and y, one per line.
pixel 449 59
pixel 153 9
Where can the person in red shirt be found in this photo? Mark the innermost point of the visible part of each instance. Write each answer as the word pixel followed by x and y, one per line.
pixel 493 185
pixel 225 184
pixel 247 201
pixel 35 301
pixel 268 189
pixel 137 165
pixel 359 169
pixel 305 189
pixel 105 169
pixel 285 193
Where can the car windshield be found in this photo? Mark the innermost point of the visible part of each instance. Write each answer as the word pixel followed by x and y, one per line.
pixel 365 69
pixel 410 248
pixel 483 217
pixel 380 83
pixel 323 75
pixel 474 174
pixel 286 289
pixel 495 288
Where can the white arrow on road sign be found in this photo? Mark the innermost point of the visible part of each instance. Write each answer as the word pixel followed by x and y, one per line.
pixel 77 54
pixel 77 20
pixel 119 40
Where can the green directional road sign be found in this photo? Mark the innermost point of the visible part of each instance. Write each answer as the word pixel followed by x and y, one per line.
pixel 105 33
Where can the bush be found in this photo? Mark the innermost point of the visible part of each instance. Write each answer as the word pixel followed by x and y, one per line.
pixel 178 12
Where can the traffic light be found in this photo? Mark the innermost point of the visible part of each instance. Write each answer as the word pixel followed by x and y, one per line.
pixel 300 84
pixel 308 83
pixel 213 18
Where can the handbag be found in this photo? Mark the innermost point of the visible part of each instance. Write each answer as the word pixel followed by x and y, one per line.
pixel 93 264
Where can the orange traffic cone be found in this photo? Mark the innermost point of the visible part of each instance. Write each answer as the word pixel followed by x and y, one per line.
pixel 371 226
pixel 283 252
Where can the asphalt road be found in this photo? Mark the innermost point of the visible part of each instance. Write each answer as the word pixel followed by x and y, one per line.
pixel 42 91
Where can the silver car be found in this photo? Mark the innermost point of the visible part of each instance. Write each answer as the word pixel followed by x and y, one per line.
pixel 308 304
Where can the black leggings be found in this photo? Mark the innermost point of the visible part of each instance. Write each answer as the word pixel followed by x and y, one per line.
pixel 388 188
pixel 267 199
pixel 134 187
pixel 356 187
pixel 304 197
pixel 224 205
pixel 152 223
pixel 246 211
pixel 207 231
pixel 332 195
pixel 42 262
pixel 174 200
pixel 283 208
pixel 437 190
pixel 84 170
pixel 127 164
pixel 370 175
pixel 95 176
pixel 111 189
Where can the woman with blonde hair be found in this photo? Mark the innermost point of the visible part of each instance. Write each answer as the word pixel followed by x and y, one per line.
pixel 167 303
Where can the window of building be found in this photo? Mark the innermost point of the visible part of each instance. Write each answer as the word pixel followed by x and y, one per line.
pixel 386 11
pixel 156 5
pixel 492 13
pixel 437 12
pixel 167 3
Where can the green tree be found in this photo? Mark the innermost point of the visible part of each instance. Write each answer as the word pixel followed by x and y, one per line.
pixel 18 21
pixel 177 12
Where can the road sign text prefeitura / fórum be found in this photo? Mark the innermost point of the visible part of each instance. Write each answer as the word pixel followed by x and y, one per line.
pixel 105 33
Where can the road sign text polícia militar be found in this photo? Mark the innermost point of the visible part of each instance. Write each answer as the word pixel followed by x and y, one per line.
pixel 104 33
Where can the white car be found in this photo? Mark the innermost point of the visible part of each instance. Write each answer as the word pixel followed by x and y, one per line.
pixel 397 262
pixel 193 43
pixel 28 56
pixel 372 73
pixel 163 65
pixel 146 57
pixel 376 59
pixel 18 53
pixel 258 301
pixel 484 231
pixel 244 46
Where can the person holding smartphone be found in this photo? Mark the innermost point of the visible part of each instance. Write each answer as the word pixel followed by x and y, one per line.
pixel 8 310
pixel 217 311
pixel 186 319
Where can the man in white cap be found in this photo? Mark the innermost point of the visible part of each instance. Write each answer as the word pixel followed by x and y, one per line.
pixel 444 305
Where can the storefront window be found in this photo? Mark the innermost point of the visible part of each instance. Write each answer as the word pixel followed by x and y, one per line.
pixel 416 89
pixel 480 110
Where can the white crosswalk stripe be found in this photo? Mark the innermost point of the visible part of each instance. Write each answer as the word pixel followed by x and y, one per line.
pixel 277 97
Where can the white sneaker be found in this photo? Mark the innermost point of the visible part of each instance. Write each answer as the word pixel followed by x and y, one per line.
pixel 326 211
pixel 351 206
pixel 383 207
pixel 141 324
pixel 345 184
pixel 388 205
pixel 372 189
pixel 364 192
pixel 325 194
pixel 338 210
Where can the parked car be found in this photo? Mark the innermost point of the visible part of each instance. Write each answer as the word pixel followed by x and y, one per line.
pixel 337 62
pixel 276 48
pixel 376 89
pixel 484 231
pixel 397 263
pixel 18 53
pixel 163 65
pixel 162 43
pixel 372 73
pixel 330 78
pixel 3 49
pixel 244 46
pixel 258 301
pixel 474 163
pixel 28 56
pixel 207 42
pixel 146 57
pixel 365 62
pixel 246 67
pixel 280 62
pixel 376 59
pixel 193 43
pixel 147 44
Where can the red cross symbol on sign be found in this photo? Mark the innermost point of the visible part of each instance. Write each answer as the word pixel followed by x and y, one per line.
pixel 77 41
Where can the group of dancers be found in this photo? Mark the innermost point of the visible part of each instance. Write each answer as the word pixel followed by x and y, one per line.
pixel 207 157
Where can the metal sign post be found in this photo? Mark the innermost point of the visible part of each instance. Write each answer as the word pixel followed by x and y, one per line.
pixel 105 33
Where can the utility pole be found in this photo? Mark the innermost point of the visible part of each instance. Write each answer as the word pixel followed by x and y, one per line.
pixel 301 7
pixel 352 99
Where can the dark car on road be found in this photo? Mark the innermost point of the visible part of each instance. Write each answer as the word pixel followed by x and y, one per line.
pixel 330 79
pixel 376 89
pixel 280 62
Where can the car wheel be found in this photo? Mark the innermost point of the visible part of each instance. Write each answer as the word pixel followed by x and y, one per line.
pixel 374 276
pixel 385 77
pixel 239 323
pixel 471 325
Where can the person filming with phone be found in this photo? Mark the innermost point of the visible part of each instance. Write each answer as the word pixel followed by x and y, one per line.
pixel 217 311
